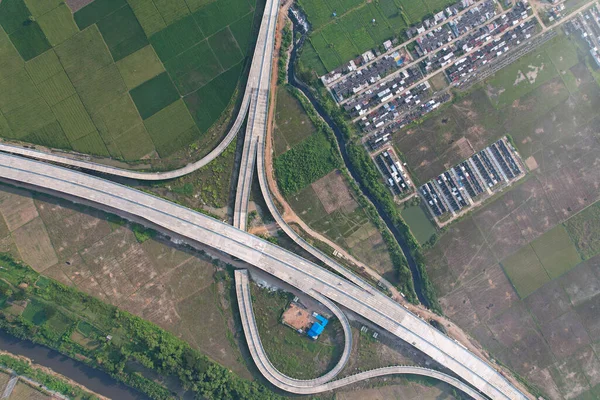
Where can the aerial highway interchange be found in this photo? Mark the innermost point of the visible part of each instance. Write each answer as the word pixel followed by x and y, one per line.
pixel 479 378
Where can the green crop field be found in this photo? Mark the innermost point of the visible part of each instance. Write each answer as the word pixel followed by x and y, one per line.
pixel 134 76
pixel 225 48
pixel 292 125
pixel 58 24
pixel 91 77
pixel 525 271
pixel 357 27
pixel 122 33
pixel 584 229
pixel 556 251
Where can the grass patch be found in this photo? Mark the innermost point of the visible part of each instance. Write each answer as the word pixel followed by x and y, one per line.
pixel 37 312
pixel 225 48
pixel 176 38
pixel 154 95
pixel 208 103
pixel 43 67
pixel 91 144
pixel 116 118
pixel 56 89
pixel 51 135
pixel 96 10
pixel 58 24
pixel 520 78
pixel 220 13
pixel 30 40
pixel 139 67
pixel 135 143
pixel 584 230
pixel 171 127
pixel 83 54
pixel 101 88
pixel 148 16
pixel 122 33
pixel 14 14
pixel 556 252
pixel 310 160
pixel 420 226
pixel 292 353
pixel 292 125
pixel 172 10
pixel 242 31
pixel 193 68
pixel 525 271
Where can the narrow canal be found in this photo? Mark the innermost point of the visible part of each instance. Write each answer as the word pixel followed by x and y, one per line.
pixel 417 278
pixel 93 379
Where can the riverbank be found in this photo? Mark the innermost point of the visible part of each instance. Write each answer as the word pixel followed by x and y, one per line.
pixel 410 251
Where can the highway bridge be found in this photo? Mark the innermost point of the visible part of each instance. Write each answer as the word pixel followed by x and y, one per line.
pixel 322 383
pixel 290 268
pixel 256 125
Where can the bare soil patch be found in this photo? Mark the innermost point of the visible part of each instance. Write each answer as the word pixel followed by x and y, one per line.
pixel 334 193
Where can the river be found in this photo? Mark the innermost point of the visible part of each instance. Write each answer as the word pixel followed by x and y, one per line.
pixel 416 274
pixel 93 379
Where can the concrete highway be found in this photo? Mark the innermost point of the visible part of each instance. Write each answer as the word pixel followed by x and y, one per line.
pixel 256 126
pixel 290 268
pixel 321 384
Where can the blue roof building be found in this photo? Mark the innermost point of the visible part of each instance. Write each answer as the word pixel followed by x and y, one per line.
pixel 317 328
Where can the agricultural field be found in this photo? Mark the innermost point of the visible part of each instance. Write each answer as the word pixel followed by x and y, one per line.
pixel 329 206
pixel 521 273
pixel 123 265
pixel 100 76
pixel 523 100
pixel 292 125
pixel 340 38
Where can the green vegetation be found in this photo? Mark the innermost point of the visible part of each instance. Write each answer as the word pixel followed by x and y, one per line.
pixel 95 11
pixel 293 353
pixel 358 26
pixel 292 124
pixel 77 97
pixel 142 234
pixel 525 271
pixel 24 368
pixel 133 339
pixel 154 95
pixel 170 127
pixel 308 161
pixel 584 229
pixel 122 33
pixel 556 252
pixel 287 36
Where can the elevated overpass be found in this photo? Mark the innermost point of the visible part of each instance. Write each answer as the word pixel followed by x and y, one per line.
pixel 256 126
pixel 305 276
pixel 322 383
